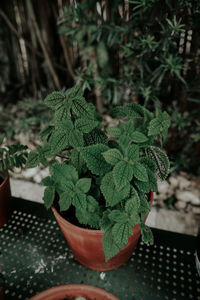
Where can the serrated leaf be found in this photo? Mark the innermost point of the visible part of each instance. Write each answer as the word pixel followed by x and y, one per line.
pixel 33 160
pixel 81 108
pixel 74 92
pixel 159 124
pixel 83 184
pixel 132 152
pixel 45 133
pixel 111 194
pixel 161 161
pixel 58 141
pixel 55 100
pixel 131 207
pixel 147 235
pixel 79 201
pixel 124 140
pixel 94 159
pixel 134 111
pixel 65 201
pixel 65 125
pixel 112 156
pixel 153 187
pixel 96 136
pixel 122 174
pixel 140 172
pixel 142 186
pixel 48 181
pixel 110 247
pixel 85 125
pixel 148 163
pixel 76 138
pixel 49 195
pixel 66 186
pixel 114 132
pixel 64 172
pixel 77 160
pixel 121 233
pixel 118 216
pixel 118 112
pixel 138 137
pixel 61 114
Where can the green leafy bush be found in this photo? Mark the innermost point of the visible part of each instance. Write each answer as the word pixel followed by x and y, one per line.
pixel 105 177
pixel 11 156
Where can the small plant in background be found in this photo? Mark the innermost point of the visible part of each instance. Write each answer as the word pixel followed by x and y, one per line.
pixel 106 178
pixel 11 156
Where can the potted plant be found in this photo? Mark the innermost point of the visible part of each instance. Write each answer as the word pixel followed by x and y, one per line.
pixel 10 156
pixel 74 292
pixel 101 192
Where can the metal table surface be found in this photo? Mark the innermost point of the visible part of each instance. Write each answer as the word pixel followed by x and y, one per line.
pixel 34 256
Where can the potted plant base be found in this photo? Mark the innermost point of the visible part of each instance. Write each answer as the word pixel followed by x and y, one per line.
pixel 73 291
pixel 5 200
pixel 87 247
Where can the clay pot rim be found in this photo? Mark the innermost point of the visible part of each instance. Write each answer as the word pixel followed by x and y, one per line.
pixel 5 179
pixel 75 287
pixel 94 231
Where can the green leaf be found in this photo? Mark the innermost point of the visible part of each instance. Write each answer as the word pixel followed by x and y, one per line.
pixel 66 186
pixel 33 160
pixel 131 207
pixel 61 114
pixel 45 133
pixel 124 140
pixel 111 194
pixel 94 159
pixel 153 187
pixel 161 161
pixel 114 132
pixel 140 172
pixel 138 137
pixel 134 110
pixel 58 140
pixel 55 100
pixel 79 201
pixel 142 186
pixel 160 124
pixel 112 156
pixel 96 136
pixel 121 233
pixel 81 108
pixel 83 184
pixel 65 125
pixel 76 138
pixel 49 195
pixel 122 174
pixel 148 163
pixel 65 201
pixel 64 172
pixel 118 216
pixel 147 235
pixel 48 181
pixel 110 247
pixel 85 125
pixel 132 152
pixel 77 160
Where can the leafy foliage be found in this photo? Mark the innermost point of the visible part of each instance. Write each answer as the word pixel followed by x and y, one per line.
pixel 105 181
pixel 11 156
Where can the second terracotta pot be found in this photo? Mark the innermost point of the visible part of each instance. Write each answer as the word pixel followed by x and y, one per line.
pixel 86 245
pixel 5 201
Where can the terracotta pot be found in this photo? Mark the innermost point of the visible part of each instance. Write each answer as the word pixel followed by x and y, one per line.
pixel 86 245
pixel 74 290
pixel 5 201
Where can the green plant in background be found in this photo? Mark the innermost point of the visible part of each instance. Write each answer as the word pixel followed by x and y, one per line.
pixel 119 53
pixel 11 156
pixel 28 115
pixel 105 177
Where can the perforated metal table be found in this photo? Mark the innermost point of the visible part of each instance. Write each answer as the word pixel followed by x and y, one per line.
pixel 35 256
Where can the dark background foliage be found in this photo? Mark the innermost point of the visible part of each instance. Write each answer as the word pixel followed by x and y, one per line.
pixel 146 51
